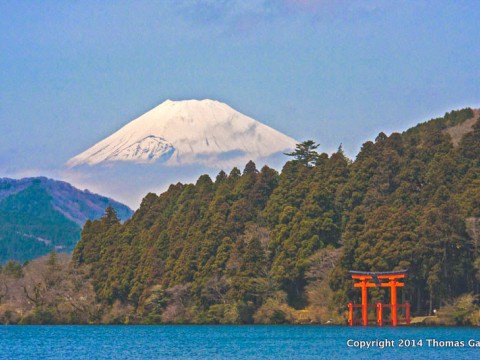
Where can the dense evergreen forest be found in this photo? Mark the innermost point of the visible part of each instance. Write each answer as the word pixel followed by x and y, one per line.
pixel 258 246
pixel 38 215
pixel 30 225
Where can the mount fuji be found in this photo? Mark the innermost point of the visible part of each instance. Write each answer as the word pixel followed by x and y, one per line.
pixel 176 133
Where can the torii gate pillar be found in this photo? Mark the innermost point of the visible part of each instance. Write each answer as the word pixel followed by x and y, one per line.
pixel 364 303
pixel 378 279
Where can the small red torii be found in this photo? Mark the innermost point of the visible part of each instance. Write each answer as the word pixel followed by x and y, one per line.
pixel 377 279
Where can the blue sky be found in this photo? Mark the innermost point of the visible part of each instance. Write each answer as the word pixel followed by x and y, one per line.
pixel 72 72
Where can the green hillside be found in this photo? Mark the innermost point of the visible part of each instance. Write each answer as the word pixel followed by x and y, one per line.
pixel 38 215
pixel 30 226
pixel 258 246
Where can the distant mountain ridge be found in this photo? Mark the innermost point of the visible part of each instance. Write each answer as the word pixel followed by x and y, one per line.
pixel 185 132
pixel 40 214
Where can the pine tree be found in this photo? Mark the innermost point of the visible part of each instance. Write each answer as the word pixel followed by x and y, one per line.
pixel 305 153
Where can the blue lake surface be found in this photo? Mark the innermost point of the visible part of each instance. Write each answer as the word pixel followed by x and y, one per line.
pixel 235 342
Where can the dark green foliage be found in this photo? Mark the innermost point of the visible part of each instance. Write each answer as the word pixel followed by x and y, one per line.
pixel 224 238
pixel 410 212
pixel 223 251
pixel 30 226
pixel 305 153
pixel 40 214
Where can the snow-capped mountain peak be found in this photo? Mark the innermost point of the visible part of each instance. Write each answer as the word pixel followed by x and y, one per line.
pixel 205 132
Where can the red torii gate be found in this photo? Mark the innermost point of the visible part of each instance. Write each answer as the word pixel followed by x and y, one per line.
pixel 378 278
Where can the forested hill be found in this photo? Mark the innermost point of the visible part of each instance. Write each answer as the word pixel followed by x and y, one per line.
pixel 40 214
pixel 258 246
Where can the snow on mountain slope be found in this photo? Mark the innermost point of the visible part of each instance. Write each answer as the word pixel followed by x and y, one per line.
pixel 204 132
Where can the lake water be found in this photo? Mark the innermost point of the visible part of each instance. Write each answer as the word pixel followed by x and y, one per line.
pixel 236 342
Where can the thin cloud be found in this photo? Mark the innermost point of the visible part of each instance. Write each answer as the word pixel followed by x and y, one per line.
pixel 237 17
